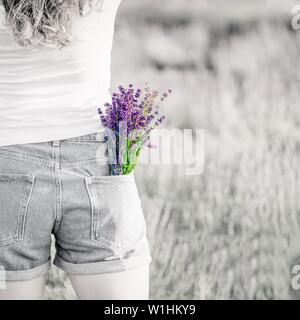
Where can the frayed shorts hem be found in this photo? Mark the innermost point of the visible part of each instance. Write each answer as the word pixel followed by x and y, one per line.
pixel 24 275
pixel 109 266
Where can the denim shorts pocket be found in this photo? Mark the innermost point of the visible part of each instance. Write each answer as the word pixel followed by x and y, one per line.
pixel 15 194
pixel 117 220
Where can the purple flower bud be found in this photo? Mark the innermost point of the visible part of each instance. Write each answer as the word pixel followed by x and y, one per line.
pixel 151 145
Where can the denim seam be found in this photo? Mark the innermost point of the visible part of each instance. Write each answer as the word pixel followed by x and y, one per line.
pixel 83 140
pixel 94 137
pixel 25 157
pixel 103 266
pixel 10 240
pixel 89 196
pixel 25 204
pixel 58 193
pixel 108 179
pixel 10 176
pixel 95 218
pixel 107 244
pixel 25 200
pixel 56 150
pixel 77 163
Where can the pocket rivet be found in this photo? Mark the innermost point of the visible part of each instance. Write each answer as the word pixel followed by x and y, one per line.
pixel 89 180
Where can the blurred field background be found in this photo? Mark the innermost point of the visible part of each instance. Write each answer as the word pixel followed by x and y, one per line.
pixel 233 232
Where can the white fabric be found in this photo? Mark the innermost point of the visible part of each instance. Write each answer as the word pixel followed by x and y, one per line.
pixel 51 94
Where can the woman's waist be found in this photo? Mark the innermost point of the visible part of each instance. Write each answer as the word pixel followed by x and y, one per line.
pixel 35 105
pixel 67 153
pixel 76 144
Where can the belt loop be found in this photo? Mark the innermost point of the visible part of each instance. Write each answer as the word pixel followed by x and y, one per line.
pixel 56 143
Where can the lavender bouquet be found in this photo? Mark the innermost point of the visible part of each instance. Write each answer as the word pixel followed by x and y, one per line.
pixel 129 120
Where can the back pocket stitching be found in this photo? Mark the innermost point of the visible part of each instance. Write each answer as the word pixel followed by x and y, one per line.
pixel 27 189
pixel 91 183
pixel 96 212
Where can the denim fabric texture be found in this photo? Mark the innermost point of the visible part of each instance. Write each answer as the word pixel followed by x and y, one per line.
pixel 63 188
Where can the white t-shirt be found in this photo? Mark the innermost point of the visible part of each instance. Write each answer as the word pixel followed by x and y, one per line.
pixel 50 94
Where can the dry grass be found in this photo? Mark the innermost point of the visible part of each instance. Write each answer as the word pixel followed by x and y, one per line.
pixel 233 232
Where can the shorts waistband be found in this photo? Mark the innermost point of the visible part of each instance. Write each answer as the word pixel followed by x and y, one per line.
pixel 96 136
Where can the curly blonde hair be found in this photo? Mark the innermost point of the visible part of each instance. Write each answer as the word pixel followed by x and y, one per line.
pixel 44 22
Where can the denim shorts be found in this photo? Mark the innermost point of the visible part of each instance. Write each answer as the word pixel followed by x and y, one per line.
pixel 63 188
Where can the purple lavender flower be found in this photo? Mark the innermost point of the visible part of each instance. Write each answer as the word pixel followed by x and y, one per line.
pixel 130 118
